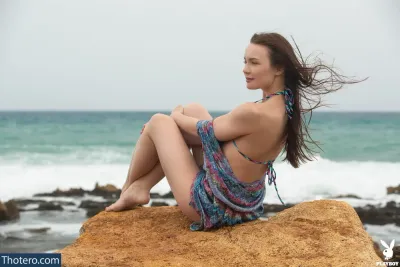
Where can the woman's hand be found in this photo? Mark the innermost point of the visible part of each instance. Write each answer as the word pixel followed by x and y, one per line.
pixel 178 109
pixel 144 125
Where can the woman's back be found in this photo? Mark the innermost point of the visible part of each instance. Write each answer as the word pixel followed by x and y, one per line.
pixel 263 145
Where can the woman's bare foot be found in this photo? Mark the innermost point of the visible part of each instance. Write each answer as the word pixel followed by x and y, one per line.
pixel 133 195
pixel 124 187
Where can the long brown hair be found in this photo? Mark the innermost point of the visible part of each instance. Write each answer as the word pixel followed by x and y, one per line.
pixel 301 78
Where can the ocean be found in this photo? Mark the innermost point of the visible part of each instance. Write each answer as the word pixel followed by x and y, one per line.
pixel 42 151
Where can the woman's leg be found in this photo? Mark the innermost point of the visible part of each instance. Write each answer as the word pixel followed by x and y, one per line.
pixel 193 110
pixel 178 164
pixel 139 190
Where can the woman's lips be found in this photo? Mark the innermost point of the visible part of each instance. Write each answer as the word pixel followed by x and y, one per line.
pixel 249 79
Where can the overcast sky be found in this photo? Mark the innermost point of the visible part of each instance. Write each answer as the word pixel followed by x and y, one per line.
pixel 154 55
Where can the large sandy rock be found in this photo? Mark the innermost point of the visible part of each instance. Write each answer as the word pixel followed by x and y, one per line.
pixel 316 233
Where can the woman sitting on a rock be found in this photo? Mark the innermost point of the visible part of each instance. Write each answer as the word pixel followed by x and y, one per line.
pixel 223 182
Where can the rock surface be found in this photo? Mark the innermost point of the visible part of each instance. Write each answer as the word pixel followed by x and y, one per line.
pixel 94 207
pixel 393 189
pixel 315 233
pixel 380 216
pixel 107 191
pixel 9 211
pixel 72 192
pixel 396 254
pixel 49 206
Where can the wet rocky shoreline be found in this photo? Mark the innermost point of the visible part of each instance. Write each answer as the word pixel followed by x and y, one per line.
pixel 87 203
pixel 10 210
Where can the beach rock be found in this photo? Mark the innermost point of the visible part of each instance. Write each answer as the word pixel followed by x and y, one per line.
pixel 93 212
pixel 378 251
pixel 63 203
pixel 393 190
pixel 37 230
pixel 9 211
pixel 94 207
pixel 380 216
pixel 90 204
pixel 107 191
pixel 168 195
pixel 396 254
pixel 276 207
pixel 347 196
pixel 21 202
pixel 72 192
pixel 155 195
pixel 315 233
pixel 48 206
pixel 158 204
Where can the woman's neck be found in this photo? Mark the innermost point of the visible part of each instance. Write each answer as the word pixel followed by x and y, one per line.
pixel 271 90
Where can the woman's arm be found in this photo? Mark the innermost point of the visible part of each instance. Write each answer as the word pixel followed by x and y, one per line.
pixel 186 124
pixel 191 138
pixel 242 120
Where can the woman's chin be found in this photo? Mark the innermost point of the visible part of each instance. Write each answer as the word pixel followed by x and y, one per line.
pixel 250 86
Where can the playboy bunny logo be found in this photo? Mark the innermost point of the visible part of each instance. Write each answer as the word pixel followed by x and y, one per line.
pixel 388 252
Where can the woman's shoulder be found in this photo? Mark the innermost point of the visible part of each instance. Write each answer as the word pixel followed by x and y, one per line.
pixel 265 112
pixel 257 114
pixel 267 116
pixel 247 107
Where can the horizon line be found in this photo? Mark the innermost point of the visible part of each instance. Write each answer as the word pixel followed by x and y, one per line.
pixel 160 110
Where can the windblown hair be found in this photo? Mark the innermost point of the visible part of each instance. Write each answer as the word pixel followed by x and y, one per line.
pixel 301 78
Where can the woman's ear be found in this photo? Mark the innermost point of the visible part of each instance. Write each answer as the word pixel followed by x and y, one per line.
pixel 279 71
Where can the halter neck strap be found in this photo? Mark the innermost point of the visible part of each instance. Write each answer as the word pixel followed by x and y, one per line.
pixel 289 100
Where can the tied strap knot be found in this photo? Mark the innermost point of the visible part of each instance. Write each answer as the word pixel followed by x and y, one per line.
pixel 272 177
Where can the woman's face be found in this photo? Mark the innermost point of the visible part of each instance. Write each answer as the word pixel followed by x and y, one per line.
pixel 257 69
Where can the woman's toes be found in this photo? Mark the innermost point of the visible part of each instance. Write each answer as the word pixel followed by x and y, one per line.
pixel 117 206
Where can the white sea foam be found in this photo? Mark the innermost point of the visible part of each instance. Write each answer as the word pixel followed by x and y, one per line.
pixel 20 230
pixel 70 155
pixel 319 179
pixel 324 178
pixel 386 233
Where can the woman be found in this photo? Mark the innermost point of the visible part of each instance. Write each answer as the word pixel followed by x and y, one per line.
pixel 223 182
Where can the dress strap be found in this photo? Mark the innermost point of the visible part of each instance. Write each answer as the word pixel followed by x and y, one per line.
pixel 289 100
pixel 248 158
pixel 289 103
pixel 272 177
pixel 270 170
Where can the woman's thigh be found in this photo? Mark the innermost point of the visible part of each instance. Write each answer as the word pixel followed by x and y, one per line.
pixel 178 165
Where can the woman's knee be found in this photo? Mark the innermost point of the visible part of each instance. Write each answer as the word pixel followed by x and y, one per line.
pixel 157 119
pixel 197 111
pixel 158 116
